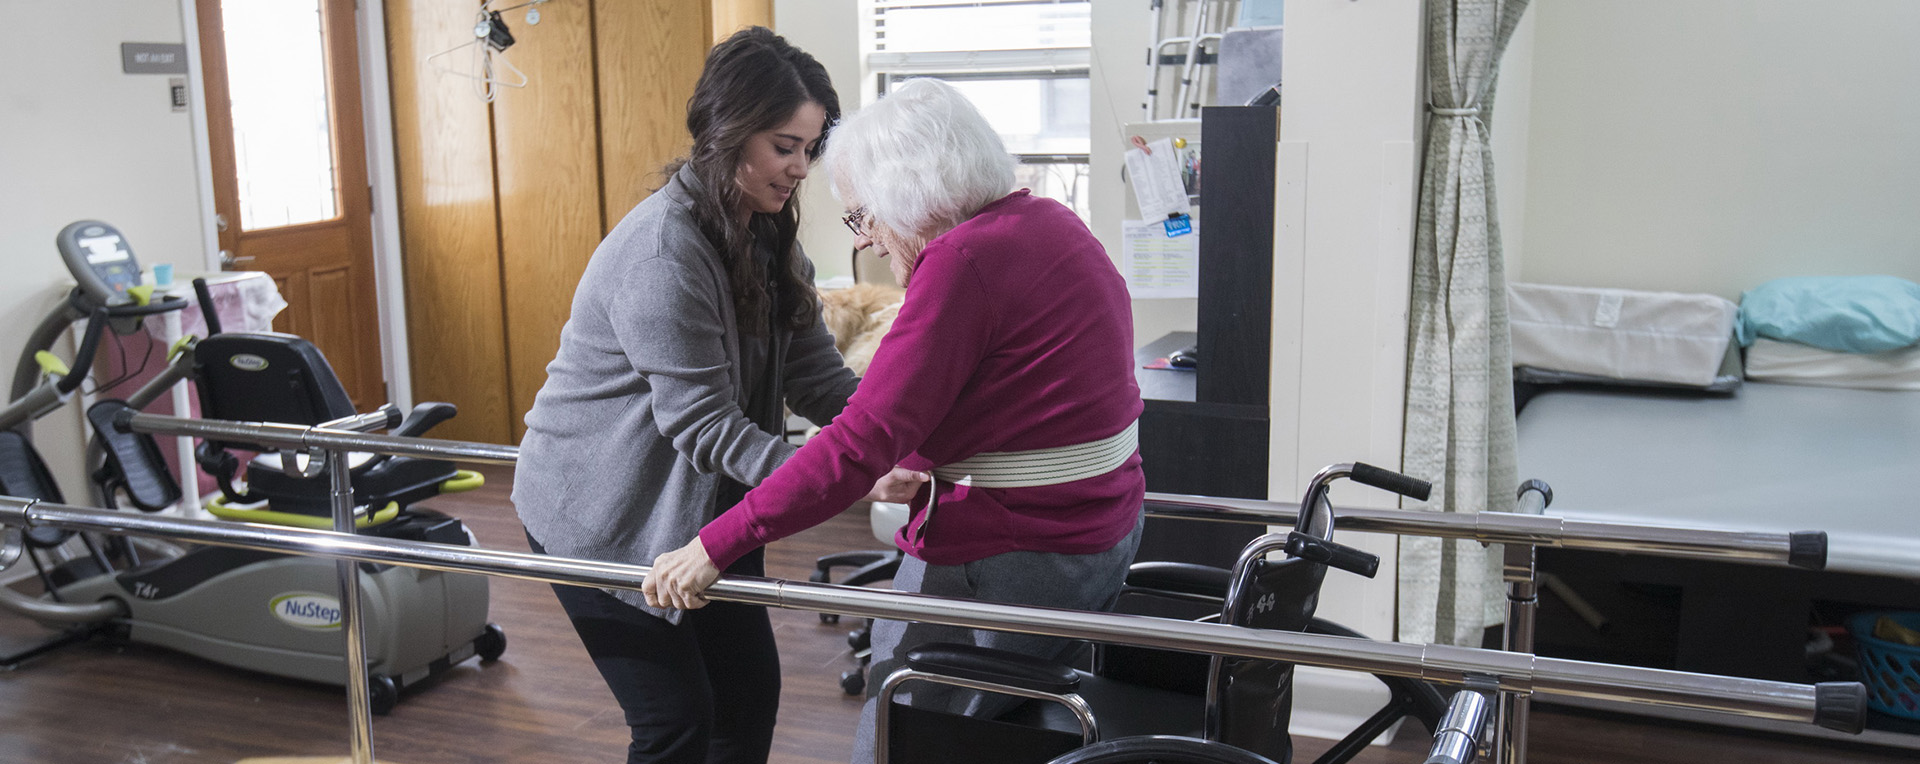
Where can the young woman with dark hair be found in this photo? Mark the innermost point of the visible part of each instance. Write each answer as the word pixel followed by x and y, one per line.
pixel 694 324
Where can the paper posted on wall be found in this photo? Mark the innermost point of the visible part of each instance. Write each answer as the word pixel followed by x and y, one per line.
pixel 1157 183
pixel 1156 265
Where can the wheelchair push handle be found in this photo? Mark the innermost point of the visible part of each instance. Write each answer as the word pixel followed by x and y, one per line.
pixel 1334 555
pixel 1388 480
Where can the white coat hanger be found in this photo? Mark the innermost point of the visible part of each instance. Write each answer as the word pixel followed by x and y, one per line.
pixel 489 68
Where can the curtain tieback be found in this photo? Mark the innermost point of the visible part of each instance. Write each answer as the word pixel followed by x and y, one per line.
pixel 1471 111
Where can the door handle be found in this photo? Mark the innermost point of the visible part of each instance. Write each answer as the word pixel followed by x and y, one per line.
pixel 228 262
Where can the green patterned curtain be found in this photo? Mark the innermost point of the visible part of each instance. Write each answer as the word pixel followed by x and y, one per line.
pixel 1459 426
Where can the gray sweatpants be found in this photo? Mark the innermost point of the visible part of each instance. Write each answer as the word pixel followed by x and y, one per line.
pixel 1073 581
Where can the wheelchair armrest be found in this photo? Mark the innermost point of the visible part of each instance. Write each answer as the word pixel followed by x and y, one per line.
pixel 1179 578
pixel 986 664
pixel 423 418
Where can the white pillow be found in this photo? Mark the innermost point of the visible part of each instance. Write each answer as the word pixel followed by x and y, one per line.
pixel 1793 363
pixel 1621 334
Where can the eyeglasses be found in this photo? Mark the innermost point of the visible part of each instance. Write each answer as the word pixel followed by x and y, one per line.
pixel 856 221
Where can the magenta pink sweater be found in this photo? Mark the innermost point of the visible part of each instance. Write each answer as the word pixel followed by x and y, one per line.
pixel 1017 334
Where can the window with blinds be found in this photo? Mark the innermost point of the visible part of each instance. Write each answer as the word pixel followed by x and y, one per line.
pixel 1022 62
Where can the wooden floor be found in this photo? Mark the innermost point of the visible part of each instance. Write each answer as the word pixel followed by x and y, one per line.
pixel 101 703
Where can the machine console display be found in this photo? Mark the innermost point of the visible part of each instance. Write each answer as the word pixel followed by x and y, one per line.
pixel 100 260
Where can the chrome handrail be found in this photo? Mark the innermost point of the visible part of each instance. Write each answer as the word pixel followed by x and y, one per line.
pixel 1486 527
pixel 1514 672
pixel 290 436
pixel 1522 533
pixel 1510 528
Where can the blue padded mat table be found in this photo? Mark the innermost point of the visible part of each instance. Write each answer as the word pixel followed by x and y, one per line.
pixel 1770 458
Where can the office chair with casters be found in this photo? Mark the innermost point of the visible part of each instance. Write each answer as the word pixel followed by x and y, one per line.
pixel 869 566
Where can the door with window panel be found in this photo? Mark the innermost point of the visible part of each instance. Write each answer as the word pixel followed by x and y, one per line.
pixel 288 151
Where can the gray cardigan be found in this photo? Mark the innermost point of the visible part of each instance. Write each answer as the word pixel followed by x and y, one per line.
pixel 642 411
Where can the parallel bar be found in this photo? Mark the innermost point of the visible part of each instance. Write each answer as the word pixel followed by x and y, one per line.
pixel 1434 663
pixel 1523 599
pixel 1494 528
pixel 359 703
pixel 299 436
pixel 1487 527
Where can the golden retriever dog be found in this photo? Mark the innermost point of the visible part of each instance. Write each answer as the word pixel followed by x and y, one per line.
pixel 859 316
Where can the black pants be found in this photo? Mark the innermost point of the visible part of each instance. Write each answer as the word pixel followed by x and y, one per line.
pixel 704 691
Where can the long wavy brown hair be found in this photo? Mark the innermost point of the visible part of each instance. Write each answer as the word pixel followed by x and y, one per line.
pixel 753 81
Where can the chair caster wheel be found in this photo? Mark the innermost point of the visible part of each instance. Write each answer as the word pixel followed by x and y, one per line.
pixel 491 644
pixel 382 694
pixel 829 618
pixel 853 682
pixel 860 639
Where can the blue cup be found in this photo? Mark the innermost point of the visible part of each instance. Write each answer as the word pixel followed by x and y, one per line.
pixel 163 275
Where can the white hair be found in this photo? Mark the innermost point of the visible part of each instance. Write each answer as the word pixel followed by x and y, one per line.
pixel 921 160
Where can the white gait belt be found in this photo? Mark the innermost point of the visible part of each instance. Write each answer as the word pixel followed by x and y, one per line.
pixel 1043 466
pixel 1026 469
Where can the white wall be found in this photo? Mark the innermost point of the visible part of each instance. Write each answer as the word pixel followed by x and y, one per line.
pixel 1710 145
pixel 829 31
pixel 1508 133
pixel 1351 120
pixel 83 140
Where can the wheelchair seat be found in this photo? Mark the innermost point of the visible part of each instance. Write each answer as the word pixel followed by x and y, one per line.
pixel 274 377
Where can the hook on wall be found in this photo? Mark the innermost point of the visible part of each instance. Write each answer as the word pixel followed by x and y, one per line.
pixel 490 69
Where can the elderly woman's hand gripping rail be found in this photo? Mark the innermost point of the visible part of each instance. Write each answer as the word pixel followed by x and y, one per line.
pixel 1008 376
pixel 678 577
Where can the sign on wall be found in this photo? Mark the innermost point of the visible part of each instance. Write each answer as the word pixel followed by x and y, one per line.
pixel 153 58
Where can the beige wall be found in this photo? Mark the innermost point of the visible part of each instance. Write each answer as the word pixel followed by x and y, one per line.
pixel 83 140
pixel 1710 145
pixel 828 30
pixel 1349 151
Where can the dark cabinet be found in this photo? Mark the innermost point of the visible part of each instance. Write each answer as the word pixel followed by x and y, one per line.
pixel 1205 431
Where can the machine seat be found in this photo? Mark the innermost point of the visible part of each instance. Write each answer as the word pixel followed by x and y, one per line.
pixel 399 479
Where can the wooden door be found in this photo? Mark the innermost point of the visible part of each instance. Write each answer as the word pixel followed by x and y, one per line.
pixel 290 171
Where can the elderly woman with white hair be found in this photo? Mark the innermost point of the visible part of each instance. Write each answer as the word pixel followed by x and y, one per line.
pixel 1008 376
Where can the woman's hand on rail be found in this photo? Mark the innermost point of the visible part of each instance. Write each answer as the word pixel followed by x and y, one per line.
pixel 898 486
pixel 679 577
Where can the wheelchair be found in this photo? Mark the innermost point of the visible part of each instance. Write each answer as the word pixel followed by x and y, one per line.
pixel 1150 705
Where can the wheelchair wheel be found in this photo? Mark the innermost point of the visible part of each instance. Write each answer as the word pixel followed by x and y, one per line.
pixel 1160 749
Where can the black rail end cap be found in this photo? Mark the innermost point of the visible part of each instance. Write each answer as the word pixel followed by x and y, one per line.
pixel 123 419
pixel 1807 549
pixel 1840 706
